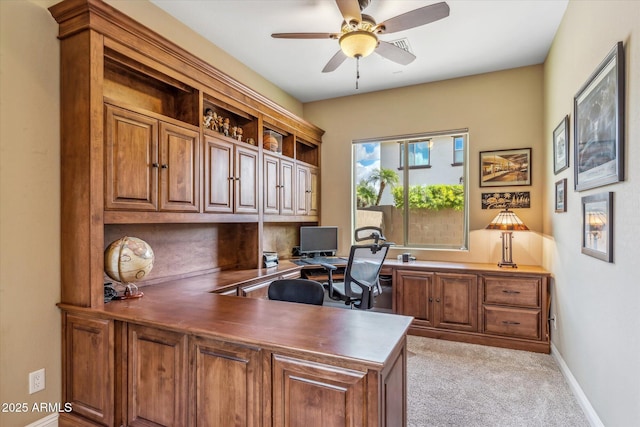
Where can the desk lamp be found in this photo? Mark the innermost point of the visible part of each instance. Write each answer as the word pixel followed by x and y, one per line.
pixel 507 222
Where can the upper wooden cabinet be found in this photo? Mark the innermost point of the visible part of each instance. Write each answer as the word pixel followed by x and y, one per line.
pixel 150 165
pixel 231 174
pixel 307 186
pixel 279 181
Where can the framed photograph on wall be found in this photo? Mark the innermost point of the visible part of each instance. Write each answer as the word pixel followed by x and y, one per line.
pixel 561 195
pixel 599 124
pixel 503 168
pixel 597 226
pixel 561 146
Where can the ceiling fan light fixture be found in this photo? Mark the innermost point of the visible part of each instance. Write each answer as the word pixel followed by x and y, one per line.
pixel 358 44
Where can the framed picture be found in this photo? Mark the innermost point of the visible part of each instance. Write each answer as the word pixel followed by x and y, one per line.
pixel 502 168
pixel 561 195
pixel 599 124
pixel 561 146
pixel 597 226
pixel 511 199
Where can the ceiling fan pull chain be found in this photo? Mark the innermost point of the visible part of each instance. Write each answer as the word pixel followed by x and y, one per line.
pixel 357 70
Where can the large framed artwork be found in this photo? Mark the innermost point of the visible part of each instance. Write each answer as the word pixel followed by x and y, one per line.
pixel 597 226
pixel 561 146
pixel 599 124
pixel 503 168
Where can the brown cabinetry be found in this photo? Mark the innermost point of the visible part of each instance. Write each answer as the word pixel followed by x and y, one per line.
pixel 307 190
pixel 225 380
pixel 157 367
pixel 438 300
pixel 88 369
pixel 150 165
pixel 278 185
pixel 477 303
pixel 231 173
pixel 513 307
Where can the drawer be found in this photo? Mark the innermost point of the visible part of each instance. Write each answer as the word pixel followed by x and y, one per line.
pixel 518 291
pixel 512 322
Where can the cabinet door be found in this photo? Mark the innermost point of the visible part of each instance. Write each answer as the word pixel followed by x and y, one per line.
pixel 456 301
pixel 316 395
pixel 302 187
pixel 226 382
pixel 246 180
pixel 271 191
pixel 157 377
pixel 179 169
pixel 131 160
pixel 313 208
pixel 287 192
pixel 218 175
pixel 88 369
pixel 414 295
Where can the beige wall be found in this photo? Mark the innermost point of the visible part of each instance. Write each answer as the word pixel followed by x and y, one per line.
pixel 502 110
pixel 597 303
pixel 30 185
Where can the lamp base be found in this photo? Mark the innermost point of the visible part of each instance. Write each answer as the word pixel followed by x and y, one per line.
pixel 508 264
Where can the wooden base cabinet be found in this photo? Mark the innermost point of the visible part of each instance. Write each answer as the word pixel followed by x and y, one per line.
pixel 438 300
pixel 475 303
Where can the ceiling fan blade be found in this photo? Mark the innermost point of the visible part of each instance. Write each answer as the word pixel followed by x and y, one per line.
pixel 416 18
pixel 334 62
pixel 350 10
pixel 394 53
pixel 304 36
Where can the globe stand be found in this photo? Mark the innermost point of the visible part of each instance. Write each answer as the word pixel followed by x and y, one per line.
pixel 130 291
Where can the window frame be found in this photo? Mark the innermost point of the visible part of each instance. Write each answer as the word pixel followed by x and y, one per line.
pixel 405 172
pixel 408 144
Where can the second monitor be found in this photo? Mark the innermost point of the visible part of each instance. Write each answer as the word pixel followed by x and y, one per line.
pixel 319 240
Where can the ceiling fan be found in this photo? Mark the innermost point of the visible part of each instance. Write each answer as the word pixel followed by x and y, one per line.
pixel 359 33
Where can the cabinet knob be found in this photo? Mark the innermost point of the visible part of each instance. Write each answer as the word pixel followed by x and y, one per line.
pixel 437 299
pixel 430 299
pixel 155 165
pixel 164 166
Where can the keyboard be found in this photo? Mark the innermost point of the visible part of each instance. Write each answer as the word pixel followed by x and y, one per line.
pixel 331 260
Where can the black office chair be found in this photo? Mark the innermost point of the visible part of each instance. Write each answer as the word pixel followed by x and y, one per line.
pixel 297 290
pixel 361 284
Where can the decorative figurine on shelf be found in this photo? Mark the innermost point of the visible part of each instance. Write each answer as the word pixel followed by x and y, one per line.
pixel 251 141
pixel 234 131
pixel 220 122
pixel 209 118
pixel 225 127
pixel 239 133
pixel 214 122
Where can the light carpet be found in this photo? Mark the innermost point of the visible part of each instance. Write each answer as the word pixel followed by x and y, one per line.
pixel 458 384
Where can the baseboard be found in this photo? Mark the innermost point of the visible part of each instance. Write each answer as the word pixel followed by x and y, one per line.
pixel 48 421
pixel 588 410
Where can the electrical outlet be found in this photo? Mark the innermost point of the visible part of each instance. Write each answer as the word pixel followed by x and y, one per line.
pixel 36 381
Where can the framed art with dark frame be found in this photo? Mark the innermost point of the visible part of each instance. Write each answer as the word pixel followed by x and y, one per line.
pixel 561 146
pixel 597 226
pixel 599 124
pixel 561 195
pixel 503 168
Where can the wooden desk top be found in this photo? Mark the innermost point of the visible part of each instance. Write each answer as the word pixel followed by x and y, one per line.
pixel 188 306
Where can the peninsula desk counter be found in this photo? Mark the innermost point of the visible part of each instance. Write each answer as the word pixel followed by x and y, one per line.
pixel 185 355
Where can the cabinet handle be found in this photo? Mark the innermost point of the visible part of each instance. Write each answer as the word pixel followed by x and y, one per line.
pixel 509 322
pixel 507 291
pixel 164 166
pixel 437 299
pixel 155 165
pixel 430 299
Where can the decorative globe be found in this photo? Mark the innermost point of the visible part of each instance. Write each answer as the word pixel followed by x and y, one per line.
pixel 128 259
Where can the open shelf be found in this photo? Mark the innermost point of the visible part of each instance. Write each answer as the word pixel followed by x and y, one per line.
pixel 229 121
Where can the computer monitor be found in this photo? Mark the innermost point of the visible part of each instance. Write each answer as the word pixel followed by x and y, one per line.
pixel 318 240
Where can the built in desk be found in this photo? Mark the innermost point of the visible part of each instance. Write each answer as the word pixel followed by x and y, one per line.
pixel 185 354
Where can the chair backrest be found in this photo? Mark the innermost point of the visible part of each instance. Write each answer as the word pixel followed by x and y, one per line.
pixel 365 262
pixel 297 290
pixel 369 233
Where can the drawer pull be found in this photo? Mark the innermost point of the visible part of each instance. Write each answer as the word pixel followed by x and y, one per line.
pixel 509 322
pixel 507 291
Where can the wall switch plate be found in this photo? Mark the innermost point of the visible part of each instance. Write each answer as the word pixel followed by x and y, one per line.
pixel 36 381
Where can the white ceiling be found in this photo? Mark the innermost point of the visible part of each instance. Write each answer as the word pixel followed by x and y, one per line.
pixel 479 36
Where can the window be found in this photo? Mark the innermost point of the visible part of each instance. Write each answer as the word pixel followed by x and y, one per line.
pixel 419 153
pixel 431 186
pixel 458 150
